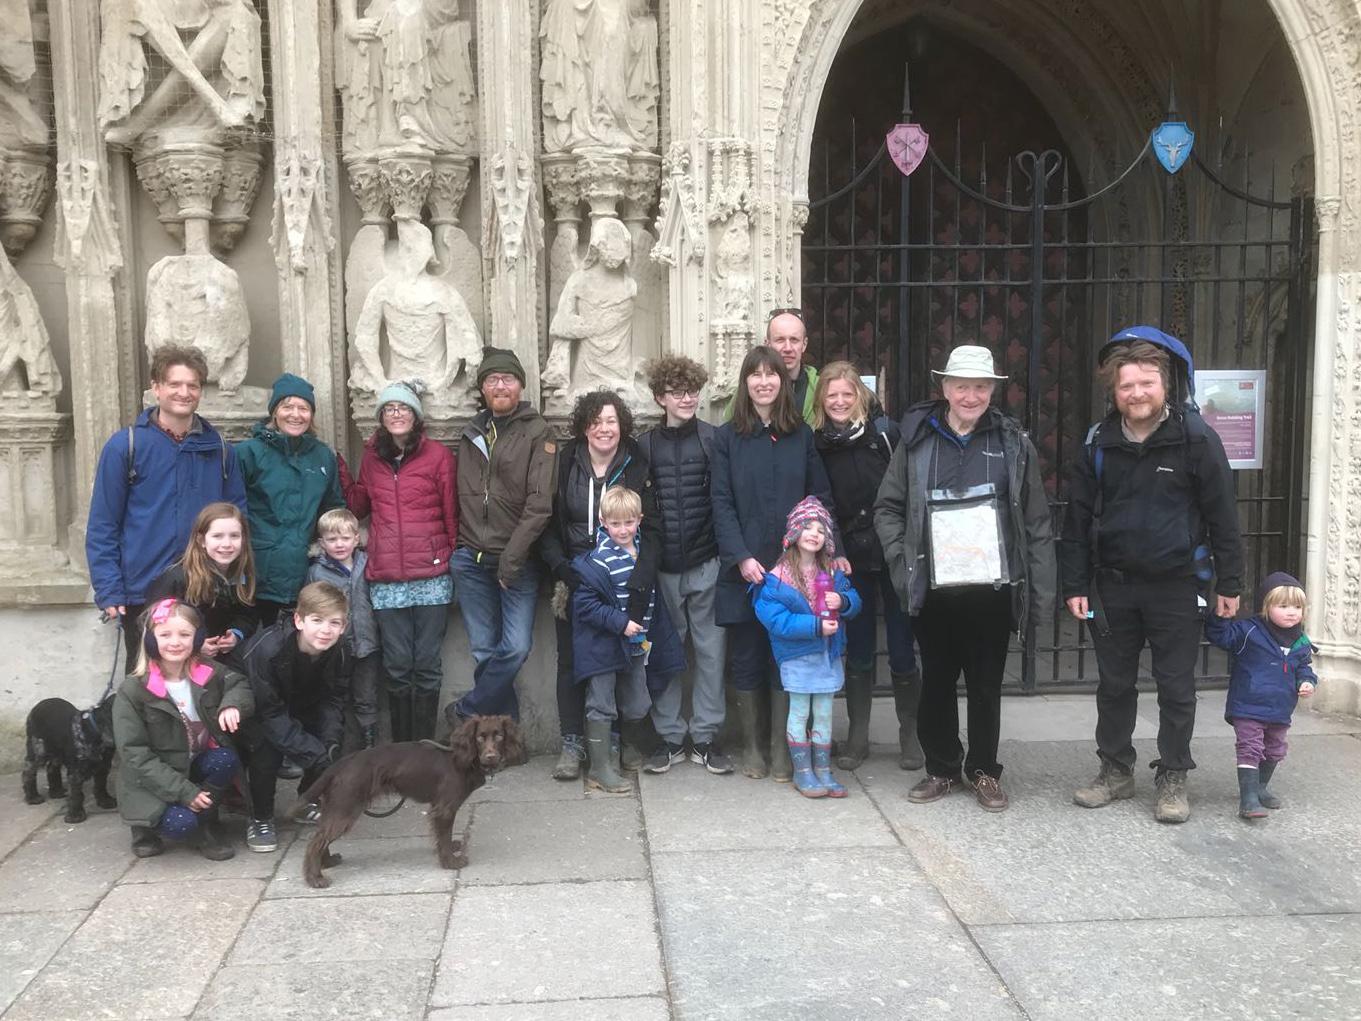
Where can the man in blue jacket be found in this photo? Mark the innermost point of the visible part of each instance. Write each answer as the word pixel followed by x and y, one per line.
pixel 152 480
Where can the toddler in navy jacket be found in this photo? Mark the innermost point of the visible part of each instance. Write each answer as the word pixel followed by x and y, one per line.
pixel 1271 670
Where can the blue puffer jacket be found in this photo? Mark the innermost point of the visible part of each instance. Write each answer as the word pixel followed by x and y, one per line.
pixel 143 508
pixel 1264 684
pixel 598 642
pixel 794 629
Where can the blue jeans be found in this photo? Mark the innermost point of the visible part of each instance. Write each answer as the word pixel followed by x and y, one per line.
pixel 862 629
pixel 500 624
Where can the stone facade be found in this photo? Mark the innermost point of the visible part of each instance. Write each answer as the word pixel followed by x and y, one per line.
pixel 357 189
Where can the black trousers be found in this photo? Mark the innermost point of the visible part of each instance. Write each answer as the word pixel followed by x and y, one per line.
pixel 262 774
pixel 1166 616
pixel 571 695
pixel 751 663
pixel 962 630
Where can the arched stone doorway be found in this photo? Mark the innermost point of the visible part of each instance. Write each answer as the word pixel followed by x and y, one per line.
pixel 1221 256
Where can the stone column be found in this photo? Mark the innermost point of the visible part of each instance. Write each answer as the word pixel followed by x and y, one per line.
pixel 507 31
pixel 311 322
pixel 103 380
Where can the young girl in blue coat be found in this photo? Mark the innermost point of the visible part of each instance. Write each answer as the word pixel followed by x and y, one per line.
pixel 802 615
pixel 1271 670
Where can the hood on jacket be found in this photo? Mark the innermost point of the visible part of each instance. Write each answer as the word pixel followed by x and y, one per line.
pixel 1183 368
pixel 918 421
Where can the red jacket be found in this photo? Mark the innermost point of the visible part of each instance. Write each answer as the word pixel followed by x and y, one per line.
pixel 412 510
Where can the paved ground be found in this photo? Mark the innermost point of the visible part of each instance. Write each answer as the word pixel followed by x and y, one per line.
pixel 726 898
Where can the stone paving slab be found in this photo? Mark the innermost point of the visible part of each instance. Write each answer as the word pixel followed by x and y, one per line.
pixel 528 783
pixel 693 810
pixel 306 932
pixel 831 934
pixel 372 866
pixel 66 867
pixel 18 820
pixel 555 842
pixel 184 863
pixel 115 967
pixel 27 943
pixel 383 990
pixel 567 941
pixel 1046 859
pixel 1180 969
pixel 630 1008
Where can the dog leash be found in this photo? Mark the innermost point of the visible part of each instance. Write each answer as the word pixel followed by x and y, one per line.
pixel 398 807
pixel 117 650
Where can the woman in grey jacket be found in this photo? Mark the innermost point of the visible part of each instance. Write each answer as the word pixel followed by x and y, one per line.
pixel 950 447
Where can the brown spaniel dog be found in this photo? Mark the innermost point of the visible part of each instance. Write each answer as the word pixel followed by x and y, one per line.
pixel 420 770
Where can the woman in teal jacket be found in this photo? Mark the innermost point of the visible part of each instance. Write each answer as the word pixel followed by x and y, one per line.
pixel 292 478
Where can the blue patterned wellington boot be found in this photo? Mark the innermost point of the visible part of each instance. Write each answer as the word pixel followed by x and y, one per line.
pixel 822 769
pixel 801 755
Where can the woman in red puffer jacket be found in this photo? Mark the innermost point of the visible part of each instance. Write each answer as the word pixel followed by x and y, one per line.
pixel 406 487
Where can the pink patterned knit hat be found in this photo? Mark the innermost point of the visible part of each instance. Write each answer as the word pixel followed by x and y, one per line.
pixel 807 510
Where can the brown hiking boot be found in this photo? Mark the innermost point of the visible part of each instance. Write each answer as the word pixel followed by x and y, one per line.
pixel 988 790
pixel 932 788
pixel 1172 804
pixel 1113 783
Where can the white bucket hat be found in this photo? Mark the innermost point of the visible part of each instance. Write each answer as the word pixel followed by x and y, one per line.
pixel 968 361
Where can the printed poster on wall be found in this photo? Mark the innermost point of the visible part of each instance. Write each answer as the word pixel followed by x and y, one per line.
pixel 1233 403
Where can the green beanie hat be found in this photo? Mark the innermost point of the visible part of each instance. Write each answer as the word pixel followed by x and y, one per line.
pixel 289 385
pixel 500 359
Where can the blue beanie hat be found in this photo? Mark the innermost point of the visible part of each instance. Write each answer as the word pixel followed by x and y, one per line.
pixel 289 385
pixel 400 393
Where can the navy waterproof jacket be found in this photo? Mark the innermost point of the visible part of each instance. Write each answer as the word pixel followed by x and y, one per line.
pixel 598 642
pixel 756 479
pixel 138 528
pixel 1264 683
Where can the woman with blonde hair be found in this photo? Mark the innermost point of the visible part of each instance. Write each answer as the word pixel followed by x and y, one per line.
pixel 855 440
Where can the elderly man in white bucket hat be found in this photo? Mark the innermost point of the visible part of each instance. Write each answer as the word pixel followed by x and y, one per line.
pixel 964 522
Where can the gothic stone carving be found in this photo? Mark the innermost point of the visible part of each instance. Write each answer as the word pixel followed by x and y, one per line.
pixel 404 71
pixel 592 330
pixel 27 369
pixel 25 160
pixel 599 74
pixel 221 65
pixel 425 327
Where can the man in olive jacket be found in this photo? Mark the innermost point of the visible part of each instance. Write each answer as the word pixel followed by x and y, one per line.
pixel 507 462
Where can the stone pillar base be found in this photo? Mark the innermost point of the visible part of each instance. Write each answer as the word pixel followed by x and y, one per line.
pixel 1339 689
pixel 33 567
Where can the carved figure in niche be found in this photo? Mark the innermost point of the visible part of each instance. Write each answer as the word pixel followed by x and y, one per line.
pixel 732 271
pixel 20 122
pixel 26 363
pixel 220 64
pixel 405 73
pixel 599 74
pixel 195 299
pixel 429 332
pixel 596 312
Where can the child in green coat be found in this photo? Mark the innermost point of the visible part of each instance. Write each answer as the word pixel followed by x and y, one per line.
pixel 172 723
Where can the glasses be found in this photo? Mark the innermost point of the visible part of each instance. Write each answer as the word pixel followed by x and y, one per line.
pixel 397 410
pixel 683 395
pixel 797 313
pixel 500 380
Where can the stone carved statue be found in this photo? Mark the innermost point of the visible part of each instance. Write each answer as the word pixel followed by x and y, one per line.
pixel 26 364
pixel 213 49
pixel 421 321
pixel 592 330
pixel 600 75
pixel 733 280
pixel 20 122
pixel 195 299
pixel 405 72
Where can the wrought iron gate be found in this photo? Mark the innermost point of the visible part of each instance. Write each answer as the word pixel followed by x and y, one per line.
pixel 1031 264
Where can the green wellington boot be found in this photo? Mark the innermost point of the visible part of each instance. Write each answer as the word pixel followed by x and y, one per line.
pixel 781 769
pixel 859 699
pixel 602 775
pixel 749 712
pixel 907 692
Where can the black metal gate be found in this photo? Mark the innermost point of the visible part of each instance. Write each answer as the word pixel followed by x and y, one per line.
pixel 1040 265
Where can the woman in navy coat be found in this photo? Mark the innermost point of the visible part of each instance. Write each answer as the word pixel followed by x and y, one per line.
pixel 764 462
